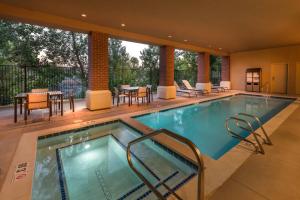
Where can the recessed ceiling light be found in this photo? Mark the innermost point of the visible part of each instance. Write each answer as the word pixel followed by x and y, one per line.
pixel 185 40
pixel 83 15
pixel 123 25
pixel 170 36
pixel 220 48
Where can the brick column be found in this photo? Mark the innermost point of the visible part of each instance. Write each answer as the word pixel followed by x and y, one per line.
pixel 98 96
pixel 225 72
pixel 203 75
pixel 166 88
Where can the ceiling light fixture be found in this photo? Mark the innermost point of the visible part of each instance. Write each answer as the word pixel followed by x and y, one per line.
pixel 123 25
pixel 185 40
pixel 170 36
pixel 220 48
pixel 83 15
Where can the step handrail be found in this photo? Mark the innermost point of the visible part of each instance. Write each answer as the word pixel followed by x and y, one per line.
pixel 196 151
pixel 267 140
pixel 258 147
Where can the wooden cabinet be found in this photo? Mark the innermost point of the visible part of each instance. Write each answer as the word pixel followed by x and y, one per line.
pixel 253 79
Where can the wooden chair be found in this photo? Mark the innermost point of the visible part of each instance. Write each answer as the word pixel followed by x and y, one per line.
pixel 141 94
pixel 123 91
pixel 150 92
pixel 40 90
pixel 35 101
pixel 119 95
pixel 71 97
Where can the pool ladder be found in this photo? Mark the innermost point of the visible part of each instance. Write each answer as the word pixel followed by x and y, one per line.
pixel 244 124
pixel 200 164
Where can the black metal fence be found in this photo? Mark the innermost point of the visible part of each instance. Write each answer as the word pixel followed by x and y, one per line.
pixel 189 75
pixel 17 79
pixel 215 77
pixel 134 77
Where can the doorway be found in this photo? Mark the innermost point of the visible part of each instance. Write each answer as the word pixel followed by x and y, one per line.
pixel 279 78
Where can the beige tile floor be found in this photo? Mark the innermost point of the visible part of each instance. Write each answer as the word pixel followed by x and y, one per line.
pixel 10 132
pixel 275 175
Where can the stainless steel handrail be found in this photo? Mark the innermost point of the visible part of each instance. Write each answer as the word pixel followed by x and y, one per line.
pixel 200 187
pixel 258 147
pixel 267 140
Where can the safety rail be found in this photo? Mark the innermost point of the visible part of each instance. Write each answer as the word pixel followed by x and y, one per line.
pixel 266 87
pixel 246 125
pixel 200 187
pixel 266 140
pixel 258 147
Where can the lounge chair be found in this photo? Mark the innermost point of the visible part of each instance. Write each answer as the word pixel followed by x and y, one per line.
pixel 189 87
pixel 217 88
pixel 189 92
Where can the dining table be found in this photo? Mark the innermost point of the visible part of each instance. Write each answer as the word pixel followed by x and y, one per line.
pixel 130 91
pixel 21 97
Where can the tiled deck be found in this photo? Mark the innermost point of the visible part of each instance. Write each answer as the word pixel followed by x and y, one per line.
pixel 10 134
pixel 274 175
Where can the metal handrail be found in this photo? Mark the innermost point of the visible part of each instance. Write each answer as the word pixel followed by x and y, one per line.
pixel 267 140
pixel 200 187
pixel 258 147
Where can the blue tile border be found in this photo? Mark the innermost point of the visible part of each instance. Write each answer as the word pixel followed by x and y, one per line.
pixel 132 191
pixel 158 185
pixel 146 167
pixel 169 150
pixel 190 164
pixel 61 176
pixel 77 129
pixel 63 189
pixel 208 100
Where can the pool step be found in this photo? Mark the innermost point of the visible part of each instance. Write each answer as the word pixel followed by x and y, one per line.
pixel 142 191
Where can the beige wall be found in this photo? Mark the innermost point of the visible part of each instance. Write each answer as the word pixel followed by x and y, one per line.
pixel 239 62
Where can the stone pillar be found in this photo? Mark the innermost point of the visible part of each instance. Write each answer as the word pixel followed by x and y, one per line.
pixel 203 76
pixel 225 72
pixel 166 88
pixel 98 95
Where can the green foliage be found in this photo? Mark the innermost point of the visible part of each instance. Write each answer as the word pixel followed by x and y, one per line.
pixel 185 66
pixel 215 64
pixel 49 52
pixel 150 64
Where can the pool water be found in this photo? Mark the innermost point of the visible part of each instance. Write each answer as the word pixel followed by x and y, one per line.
pixel 91 164
pixel 204 123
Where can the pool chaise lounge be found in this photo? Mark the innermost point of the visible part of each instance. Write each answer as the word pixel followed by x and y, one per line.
pixel 189 92
pixel 189 87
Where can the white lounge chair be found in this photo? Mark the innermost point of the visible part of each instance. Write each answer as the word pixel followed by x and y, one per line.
pixel 189 92
pixel 189 87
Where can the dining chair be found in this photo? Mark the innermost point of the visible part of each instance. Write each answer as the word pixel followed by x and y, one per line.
pixel 123 91
pixel 141 94
pixel 119 95
pixel 35 101
pixel 71 97
pixel 39 90
pixel 150 92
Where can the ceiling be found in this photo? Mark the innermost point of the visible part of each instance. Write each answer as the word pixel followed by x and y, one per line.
pixel 233 25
